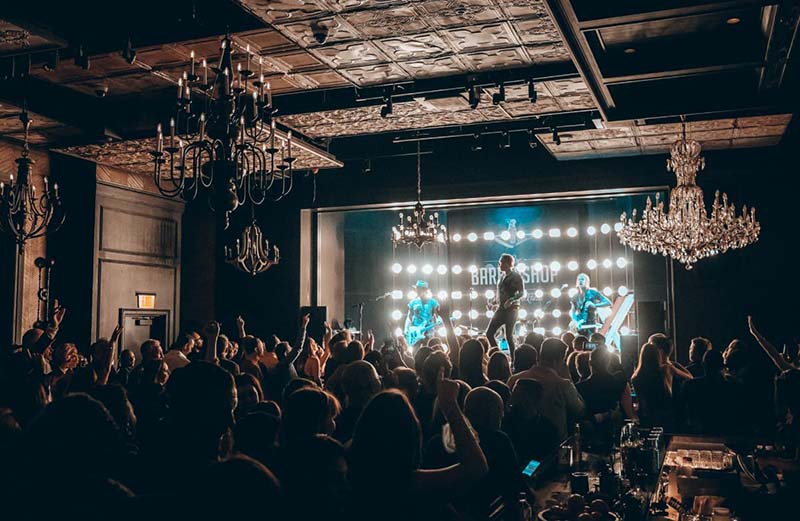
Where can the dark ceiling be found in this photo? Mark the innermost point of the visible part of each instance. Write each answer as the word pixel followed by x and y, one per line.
pixel 612 77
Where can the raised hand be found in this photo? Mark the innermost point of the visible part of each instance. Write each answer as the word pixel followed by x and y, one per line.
pixel 240 325
pixel 306 320
pixel 751 326
pixel 211 329
pixel 116 334
pixel 446 392
pixel 370 340
pixel 60 312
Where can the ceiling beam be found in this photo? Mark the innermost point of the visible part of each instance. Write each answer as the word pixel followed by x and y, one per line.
pixel 663 14
pixel 677 73
pixel 56 102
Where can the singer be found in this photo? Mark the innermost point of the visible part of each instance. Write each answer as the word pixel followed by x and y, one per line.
pixel 510 289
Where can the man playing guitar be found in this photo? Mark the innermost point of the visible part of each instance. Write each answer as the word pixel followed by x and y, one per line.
pixel 510 289
pixel 584 303
pixel 423 315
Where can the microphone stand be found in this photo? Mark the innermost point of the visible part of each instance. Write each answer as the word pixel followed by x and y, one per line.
pixel 360 307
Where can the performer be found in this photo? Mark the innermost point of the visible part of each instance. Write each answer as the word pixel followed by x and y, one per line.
pixel 422 316
pixel 583 306
pixel 510 289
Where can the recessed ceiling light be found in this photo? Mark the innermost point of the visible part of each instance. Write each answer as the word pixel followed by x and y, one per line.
pixel 630 50
pixel 733 20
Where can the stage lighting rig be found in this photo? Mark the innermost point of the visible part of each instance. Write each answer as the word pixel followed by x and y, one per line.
pixel 499 96
pixel 532 95
pixel 474 96
pixel 556 137
pixel 128 53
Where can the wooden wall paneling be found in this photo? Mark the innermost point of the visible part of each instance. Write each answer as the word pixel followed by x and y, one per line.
pixel 137 249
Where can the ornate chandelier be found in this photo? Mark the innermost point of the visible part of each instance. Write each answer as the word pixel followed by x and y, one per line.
pixel 251 253
pixel 685 231
pixel 223 138
pixel 23 212
pixel 416 229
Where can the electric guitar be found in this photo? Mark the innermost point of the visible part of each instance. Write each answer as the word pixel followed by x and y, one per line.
pixel 580 317
pixel 416 333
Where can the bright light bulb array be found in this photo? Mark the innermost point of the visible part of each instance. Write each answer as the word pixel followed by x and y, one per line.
pixel 536 233
pixel 521 267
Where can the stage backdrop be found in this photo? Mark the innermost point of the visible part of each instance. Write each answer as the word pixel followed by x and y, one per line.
pixel 552 242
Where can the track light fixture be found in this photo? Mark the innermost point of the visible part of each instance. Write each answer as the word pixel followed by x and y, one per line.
pixel 505 140
pixel 474 96
pixel 477 143
pixel 499 96
pixel 386 110
pixel 52 62
pixel 532 96
pixel 556 137
pixel 81 59
pixel 128 53
pixel 532 139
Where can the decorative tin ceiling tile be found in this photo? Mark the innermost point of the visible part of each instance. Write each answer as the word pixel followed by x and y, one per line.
pixel 757 141
pixel 424 68
pixel 476 37
pixel 17 39
pixel 751 132
pixel 623 142
pixel 452 13
pixel 663 139
pixel 754 121
pixel 536 31
pixel 569 87
pixel 302 31
pixel 276 11
pixel 711 124
pixel 382 23
pixel 327 79
pixel 350 54
pixel 372 74
pixel 401 48
pixel 296 61
pixel 720 144
pixel 496 59
pixel 449 104
pixel 576 146
pixel 346 5
pixel 554 52
pixel 524 8
pixel 493 112
pixel 711 135
pixel 263 40
pixel 667 128
pixel 134 155
pixel 526 108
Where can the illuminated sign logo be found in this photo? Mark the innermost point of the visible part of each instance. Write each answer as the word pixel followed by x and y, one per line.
pixel 511 237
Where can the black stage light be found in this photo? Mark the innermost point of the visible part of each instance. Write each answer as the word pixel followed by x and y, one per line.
pixel 474 96
pixel 52 62
pixel 532 140
pixel 128 53
pixel 477 143
pixel 386 109
pixel 556 137
pixel 81 59
pixel 532 96
pixel 499 96
pixel 505 140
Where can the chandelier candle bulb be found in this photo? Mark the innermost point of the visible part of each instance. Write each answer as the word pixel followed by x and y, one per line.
pixel 205 72
pixel 180 88
pixel 191 55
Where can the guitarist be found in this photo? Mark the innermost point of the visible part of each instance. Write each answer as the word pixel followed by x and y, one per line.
pixel 583 305
pixel 510 289
pixel 423 311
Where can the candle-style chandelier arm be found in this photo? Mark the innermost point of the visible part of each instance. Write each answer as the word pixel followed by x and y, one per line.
pixel 233 110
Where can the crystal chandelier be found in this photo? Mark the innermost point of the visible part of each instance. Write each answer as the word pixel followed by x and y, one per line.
pixel 685 231
pixel 25 213
pixel 251 253
pixel 223 138
pixel 416 229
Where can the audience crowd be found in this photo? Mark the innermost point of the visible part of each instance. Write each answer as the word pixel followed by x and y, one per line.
pixel 334 427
